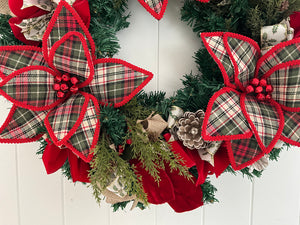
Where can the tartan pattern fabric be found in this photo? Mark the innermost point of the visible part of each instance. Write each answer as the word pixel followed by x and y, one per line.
pixel 83 138
pixel 291 128
pixel 281 55
pixel 24 124
pixel 286 84
pixel 64 24
pixel 13 60
pixel 216 44
pixel 155 5
pixel 245 56
pixel 70 57
pixel 245 150
pixel 264 117
pixel 114 81
pixel 32 87
pixel 226 117
pixel 63 118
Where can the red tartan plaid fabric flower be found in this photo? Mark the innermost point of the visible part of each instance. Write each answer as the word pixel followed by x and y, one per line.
pixel 260 103
pixel 157 8
pixel 16 6
pixel 62 85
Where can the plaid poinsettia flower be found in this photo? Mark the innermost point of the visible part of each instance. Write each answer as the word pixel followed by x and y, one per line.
pixel 157 8
pixel 62 85
pixel 260 102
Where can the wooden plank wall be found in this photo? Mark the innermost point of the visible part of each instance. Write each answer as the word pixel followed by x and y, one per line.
pixel 30 197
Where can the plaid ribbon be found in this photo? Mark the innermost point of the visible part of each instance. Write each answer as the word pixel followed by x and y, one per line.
pixel 291 128
pixel 245 56
pixel 226 117
pixel 245 150
pixel 24 124
pixel 216 44
pixel 264 117
pixel 155 5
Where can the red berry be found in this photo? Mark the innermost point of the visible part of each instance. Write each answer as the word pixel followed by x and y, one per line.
pixel 58 79
pixel 261 97
pixel 60 94
pixel 74 80
pixel 258 89
pixel 64 87
pixel 255 82
pixel 65 77
pixel 129 141
pixel 263 82
pixel 56 87
pixel 249 89
pixel 269 88
pixel 74 89
pixel 268 97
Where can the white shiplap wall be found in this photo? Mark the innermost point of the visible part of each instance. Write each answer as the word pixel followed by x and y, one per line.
pixel 30 197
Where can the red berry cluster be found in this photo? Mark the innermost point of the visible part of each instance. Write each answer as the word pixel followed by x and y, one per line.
pixel 261 88
pixel 65 83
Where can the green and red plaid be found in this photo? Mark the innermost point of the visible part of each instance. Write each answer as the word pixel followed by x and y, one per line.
pixel 281 55
pixel 155 5
pixel 23 124
pixel 82 139
pixel 12 60
pixel 245 150
pixel 286 85
pixel 291 127
pixel 114 81
pixel 32 87
pixel 245 56
pixel 63 118
pixel 264 117
pixel 226 117
pixel 216 44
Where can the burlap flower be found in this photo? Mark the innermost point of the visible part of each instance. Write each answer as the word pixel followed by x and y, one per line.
pixel 189 130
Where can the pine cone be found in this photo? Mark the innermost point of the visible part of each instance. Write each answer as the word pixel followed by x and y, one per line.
pixel 189 130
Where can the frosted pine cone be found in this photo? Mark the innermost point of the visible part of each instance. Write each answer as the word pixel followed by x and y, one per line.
pixel 189 130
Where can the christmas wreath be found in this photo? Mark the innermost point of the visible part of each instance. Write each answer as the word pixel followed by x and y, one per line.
pixel 86 109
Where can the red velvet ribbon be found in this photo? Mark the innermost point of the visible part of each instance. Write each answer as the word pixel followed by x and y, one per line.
pixel 81 6
pixel 54 158
pixel 295 23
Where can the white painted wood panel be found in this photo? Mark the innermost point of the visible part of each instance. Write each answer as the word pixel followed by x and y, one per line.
pixel 166 48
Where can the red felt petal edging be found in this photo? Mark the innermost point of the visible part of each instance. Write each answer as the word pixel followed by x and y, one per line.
pixel 133 67
pixel 156 15
pixel 52 22
pixel 207 115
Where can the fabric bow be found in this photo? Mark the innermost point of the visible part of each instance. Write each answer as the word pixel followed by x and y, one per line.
pixel 62 85
pixel 157 8
pixel 260 102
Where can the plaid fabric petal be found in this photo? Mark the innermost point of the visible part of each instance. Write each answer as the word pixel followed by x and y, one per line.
pixel 215 45
pixel 278 55
pixel 31 88
pixel 245 55
pixel 286 85
pixel 63 119
pixel 292 126
pixel 224 116
pixel 22 125
pixel 244 152
pixel 12 59
pixel 72 56
pixel 86 135
pixel 155 7
pixel 116 81
pixel 265 119
pixel 65 19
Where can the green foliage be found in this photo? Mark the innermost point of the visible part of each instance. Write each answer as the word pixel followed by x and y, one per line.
pixel 122 205
pixel 107 18
pixel 209 192
pixel 7 37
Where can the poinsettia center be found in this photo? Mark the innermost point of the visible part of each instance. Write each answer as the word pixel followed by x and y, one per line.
pixel 261 89
pixel 65 84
